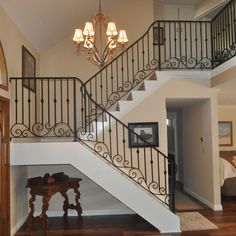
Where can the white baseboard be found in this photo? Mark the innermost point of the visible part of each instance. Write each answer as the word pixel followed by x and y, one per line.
pixel 214 207
pixel 18 225
pixel 90 212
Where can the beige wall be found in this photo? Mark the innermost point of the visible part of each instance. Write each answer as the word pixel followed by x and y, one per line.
pixel 154 109
pixel 228 113
pixel 61 60
pixel 12 41
pixel 206 7
pixel 199 158
pixel 166 11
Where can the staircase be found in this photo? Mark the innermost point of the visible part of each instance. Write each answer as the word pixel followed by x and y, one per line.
pixel 89 114
pixel 105 175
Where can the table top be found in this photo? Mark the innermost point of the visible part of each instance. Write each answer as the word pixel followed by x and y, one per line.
pixel 44 189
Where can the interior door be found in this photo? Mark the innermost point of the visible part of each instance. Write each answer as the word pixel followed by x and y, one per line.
pixel 180 35
pixel 4 169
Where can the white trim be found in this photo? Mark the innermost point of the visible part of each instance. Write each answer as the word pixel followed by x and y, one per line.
pixel 209 11
pixel 18 225
pixel 168 232
pixel 223 67
pixel 229 106
pixel 184 74
pixel 214 207
pixel 218 207
pixel 90 212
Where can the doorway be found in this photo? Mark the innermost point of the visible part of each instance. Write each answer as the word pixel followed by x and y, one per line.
pixel 172 135
pixel 190 144
pixel 4 168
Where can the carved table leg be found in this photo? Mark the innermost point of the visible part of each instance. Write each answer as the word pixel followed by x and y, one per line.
pixel 30 218
pixel 44 216
pixel 77 197
pixel 65 205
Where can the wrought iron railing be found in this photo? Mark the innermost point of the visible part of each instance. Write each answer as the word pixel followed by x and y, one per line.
pixel 46 107
pixel 55 108
pixel 147 166
pixel 224 34
pixel 167 45
pixel 64 107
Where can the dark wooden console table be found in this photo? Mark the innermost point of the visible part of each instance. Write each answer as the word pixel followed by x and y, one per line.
pixel 47 191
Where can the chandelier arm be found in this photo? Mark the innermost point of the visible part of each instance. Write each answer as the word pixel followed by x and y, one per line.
pixel 99 55
pixel 92 58
pixel 107 51
pixel 93 52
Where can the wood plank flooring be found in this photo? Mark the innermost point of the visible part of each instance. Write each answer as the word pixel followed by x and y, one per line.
pixel 133 225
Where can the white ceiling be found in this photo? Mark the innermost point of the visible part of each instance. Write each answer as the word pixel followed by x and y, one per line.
pixel 178 103
pixel 47 22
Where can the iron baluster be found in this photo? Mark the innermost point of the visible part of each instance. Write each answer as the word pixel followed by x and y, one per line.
pixel 159 47
pixel 75 112
pixel 68 103
pixel 16 101
pixel 48 90
pixel 196 42
pixel 61 95
pixel 42 102
pixel 29 101
pixel 23 101
pixel 164 40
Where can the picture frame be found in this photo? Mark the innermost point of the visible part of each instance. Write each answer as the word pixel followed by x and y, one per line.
pixel 147 130
pixel 158 36
pixel 225 133
pixel 28 69
pixel 3 70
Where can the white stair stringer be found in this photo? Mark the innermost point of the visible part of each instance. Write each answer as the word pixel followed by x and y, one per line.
pixel 139 95
pixel 102 173
pixel 126 105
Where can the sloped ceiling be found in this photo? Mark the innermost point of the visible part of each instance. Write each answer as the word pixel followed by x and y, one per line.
pixel 46 22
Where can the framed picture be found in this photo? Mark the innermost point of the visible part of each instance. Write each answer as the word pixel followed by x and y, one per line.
pixel 28 69
pixel 147 130
pixel 158 36
pixel 225 133
pixel 3 70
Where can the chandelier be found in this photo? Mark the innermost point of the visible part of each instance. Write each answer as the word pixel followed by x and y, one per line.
pixel 100 49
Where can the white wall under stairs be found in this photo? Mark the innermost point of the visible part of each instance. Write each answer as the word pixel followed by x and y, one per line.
pixel 102 173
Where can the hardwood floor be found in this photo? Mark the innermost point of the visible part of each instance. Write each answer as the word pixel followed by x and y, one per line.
pixel 133 225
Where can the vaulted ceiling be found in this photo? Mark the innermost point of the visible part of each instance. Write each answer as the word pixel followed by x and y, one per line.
pixel 47 22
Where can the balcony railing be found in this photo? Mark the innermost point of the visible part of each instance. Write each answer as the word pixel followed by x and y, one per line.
pixel 224 34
